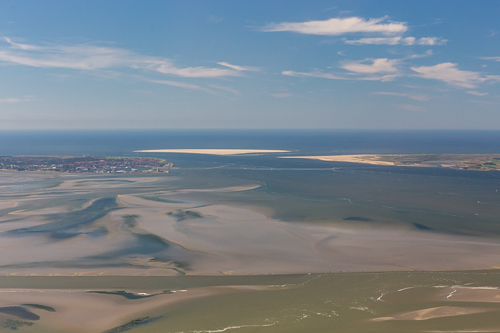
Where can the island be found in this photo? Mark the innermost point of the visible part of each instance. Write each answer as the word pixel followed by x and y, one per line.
pixel 480 162
pixel 85 164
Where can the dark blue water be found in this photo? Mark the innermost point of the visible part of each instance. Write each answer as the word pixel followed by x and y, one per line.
pixel 300 142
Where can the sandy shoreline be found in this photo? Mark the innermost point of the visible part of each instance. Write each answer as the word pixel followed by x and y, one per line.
pixel 213 151
pixel 364 159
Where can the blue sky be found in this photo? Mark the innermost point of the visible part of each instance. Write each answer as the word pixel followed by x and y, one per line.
pixel 250 64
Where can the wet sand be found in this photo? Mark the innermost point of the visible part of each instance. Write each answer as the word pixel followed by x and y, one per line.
pixel 215 238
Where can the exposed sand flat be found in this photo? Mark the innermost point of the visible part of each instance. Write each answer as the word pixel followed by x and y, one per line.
pixel 221 189
pixel 213 151
pixel 236 240
pixel 101 183
pixel 437 312
pixel 8 204
pixel 80 311
pixel 365 159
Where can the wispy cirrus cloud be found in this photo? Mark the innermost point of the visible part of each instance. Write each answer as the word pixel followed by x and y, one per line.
pixel 15 100
pixel 179 84
pixel 476 93
pixel 317 74
pixel 449 73
pixel 416 97
pixel 227 89
pixel 239 68
pixel 91 57
pixel 491 58
pixel 340 26
pixel 381 69
pixel 429 41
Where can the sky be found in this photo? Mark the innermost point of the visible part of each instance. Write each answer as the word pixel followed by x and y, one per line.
pixel 249 64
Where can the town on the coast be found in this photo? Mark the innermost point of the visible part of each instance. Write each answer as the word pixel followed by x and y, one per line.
pixel 85 164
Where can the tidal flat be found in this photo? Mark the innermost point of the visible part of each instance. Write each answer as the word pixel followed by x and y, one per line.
pixel 251 245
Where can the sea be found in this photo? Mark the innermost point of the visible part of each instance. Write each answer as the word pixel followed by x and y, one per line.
pixel 124 142
pixel 434 199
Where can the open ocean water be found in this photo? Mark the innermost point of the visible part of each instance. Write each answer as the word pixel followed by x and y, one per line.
pixel 114 142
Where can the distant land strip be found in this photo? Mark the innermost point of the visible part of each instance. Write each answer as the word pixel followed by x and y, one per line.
pixel 480 162
pixel 213 151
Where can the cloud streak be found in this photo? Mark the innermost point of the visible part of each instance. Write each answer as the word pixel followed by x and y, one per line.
pixel 90 57
pixel 428 41
pixel 497 59
pixel 14 100
pixel 449 73
pixel 340 26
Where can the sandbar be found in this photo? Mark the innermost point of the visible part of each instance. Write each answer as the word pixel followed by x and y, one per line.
pixel 213 151
pixel 364 159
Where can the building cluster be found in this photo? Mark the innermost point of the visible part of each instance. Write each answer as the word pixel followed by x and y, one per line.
pixel 85 164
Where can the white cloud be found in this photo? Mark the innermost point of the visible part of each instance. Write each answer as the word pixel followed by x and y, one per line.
pixel 91 57
pixel 491 58
pixel 179 84
pixel 381 65
pixel 476 93
pixel 447 72
pixel 196 72
pixel 397 41
pixel 409 107
pixel 417 97
pixel 239 68
pixel 313 74
pixel 318 74
pixel 428 53
pixel 14 100
pixel 340 26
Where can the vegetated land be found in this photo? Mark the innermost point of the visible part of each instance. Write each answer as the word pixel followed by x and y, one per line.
pixel 483 162
pixel 85 164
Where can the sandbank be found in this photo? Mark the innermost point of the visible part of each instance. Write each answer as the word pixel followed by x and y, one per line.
pixel 227 239
pixel 213 151
pixel 364 159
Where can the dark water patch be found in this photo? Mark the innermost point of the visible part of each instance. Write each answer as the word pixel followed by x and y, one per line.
pixel 159 199
pixel 67 225
pixel 133 324
pixel 102 231
pixel 181 215
pixel 40 306
pixel 422 226
pixel 357 218
pixel 19 312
